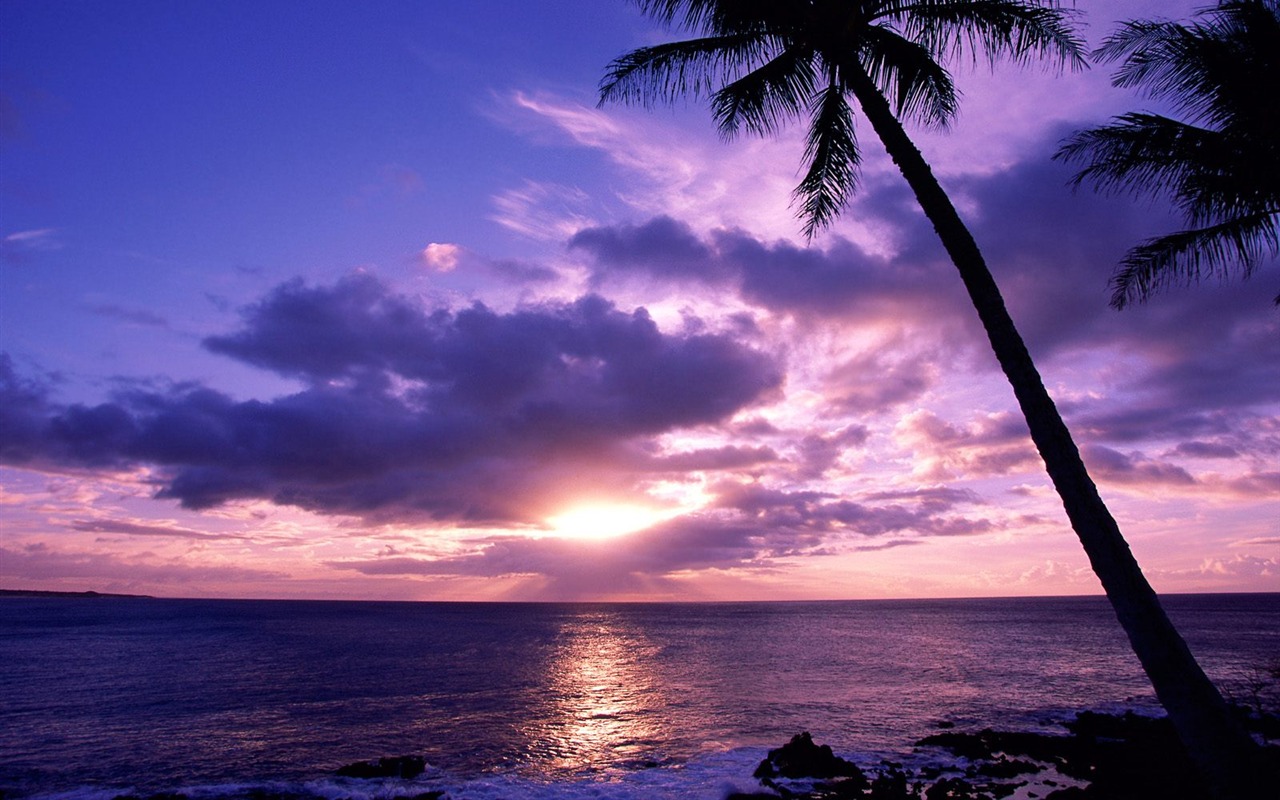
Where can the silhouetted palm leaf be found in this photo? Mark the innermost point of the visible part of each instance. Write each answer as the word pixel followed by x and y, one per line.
pixel 1220 167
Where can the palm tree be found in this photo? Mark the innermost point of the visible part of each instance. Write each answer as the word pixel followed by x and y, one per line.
pixel 763 63
pixel 1221 164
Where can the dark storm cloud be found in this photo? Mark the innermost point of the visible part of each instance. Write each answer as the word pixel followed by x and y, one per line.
pixel 410 413
pixel 22 406
pixel 662 247
pixel 842 280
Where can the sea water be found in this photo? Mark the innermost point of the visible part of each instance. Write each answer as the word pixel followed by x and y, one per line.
pixel 217 698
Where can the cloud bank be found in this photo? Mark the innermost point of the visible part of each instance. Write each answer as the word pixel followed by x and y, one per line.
pixel 409 413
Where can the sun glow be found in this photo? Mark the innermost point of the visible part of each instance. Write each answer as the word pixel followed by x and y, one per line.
pixel 604 521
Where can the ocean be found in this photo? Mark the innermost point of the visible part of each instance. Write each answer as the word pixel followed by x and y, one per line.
pixel 101 697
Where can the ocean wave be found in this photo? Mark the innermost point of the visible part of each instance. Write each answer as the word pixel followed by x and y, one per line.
pixel 711 776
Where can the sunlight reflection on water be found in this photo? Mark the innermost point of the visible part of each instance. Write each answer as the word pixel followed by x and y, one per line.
pixel 603 694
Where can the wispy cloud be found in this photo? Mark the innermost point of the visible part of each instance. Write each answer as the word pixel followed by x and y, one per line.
pixel 130 316
pixel 39 562
pixel 130 528
pixel 542 211
pixel 20 247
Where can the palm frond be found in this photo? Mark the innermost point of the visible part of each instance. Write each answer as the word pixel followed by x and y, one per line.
pixel 834 158
pixel 1137 152
pixel 904 71
pixel 767 96
pixel 1164 60
pixel 1236 245
pixel 1205 68
pixel 721 16
pixel 663 73
pixel 1015 30
pixel 1220 167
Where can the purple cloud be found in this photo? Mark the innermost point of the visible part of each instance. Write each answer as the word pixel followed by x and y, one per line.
pixel 1197 449
pixel 840 281
pixel 1133 468
pixel 141 529
pixel 410 413
pixel 39 562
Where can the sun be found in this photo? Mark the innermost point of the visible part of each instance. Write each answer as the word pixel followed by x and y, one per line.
pixel 603 521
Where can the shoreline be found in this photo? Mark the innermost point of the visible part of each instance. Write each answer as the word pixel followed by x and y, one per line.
pixel 86 594
pixel 1097 756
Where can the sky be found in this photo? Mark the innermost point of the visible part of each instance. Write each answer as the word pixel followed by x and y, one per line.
pixel 373 301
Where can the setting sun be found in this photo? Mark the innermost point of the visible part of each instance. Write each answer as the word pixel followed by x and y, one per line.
pixel 603 521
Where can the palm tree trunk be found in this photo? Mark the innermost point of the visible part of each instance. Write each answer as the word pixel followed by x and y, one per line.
pixel 1227 757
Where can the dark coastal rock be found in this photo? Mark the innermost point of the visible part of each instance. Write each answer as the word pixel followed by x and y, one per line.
pixel 985 745
pixel 1121 756
pixel 954 789
pixel 399 767
pixel 1117 756
pixel 1264 723
pixel 1006 768
pixel 801 758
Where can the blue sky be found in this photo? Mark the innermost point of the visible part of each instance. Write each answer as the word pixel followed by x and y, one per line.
pixel 371 300
pixel 231 146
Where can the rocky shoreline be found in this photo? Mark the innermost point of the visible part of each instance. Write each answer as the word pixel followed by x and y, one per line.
pixel 1097 757
pixel 1101 757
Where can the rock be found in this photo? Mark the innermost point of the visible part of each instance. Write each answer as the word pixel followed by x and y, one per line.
pixel 892 784
pixel 1007 768
pixel 952 789
pixel 1120 756
pixel 400 767
pixel 801 758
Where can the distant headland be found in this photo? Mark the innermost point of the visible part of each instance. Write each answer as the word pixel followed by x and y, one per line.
pixel 36 593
